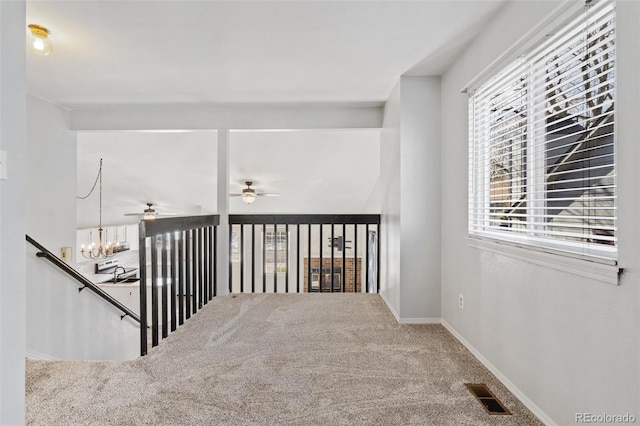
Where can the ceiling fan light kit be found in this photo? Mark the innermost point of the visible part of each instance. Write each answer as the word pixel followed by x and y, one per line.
pixel 249 194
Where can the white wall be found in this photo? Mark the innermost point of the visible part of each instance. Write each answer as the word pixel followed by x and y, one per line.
pixel 63 323
pixel 51 176
pixel 12 212
pixel 410 199
pixel 420 199
pixel 389 185
pixel 565 344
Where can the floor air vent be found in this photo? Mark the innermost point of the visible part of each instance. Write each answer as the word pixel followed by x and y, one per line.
pixel 489 401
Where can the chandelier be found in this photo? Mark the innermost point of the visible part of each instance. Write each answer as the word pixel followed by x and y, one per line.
pixel 101 250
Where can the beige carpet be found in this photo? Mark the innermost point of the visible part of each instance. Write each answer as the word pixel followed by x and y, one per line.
pixel 324 359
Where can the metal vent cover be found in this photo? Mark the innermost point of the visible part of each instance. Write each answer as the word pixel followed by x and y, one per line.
pixel 487 399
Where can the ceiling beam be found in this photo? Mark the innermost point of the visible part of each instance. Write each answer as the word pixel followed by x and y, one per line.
pixel 228 116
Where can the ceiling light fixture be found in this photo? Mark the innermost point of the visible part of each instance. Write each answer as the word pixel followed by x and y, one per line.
pixel 39 42
pixel 248 194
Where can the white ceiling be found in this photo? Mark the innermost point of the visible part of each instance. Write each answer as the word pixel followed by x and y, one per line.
pixel 146 52
pixel 312 171
pixel 123 52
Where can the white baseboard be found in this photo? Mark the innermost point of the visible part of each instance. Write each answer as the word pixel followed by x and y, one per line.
pixel 419 320
pixel 541 415
pixel 408 320
pixel 38 356
pixel 393 311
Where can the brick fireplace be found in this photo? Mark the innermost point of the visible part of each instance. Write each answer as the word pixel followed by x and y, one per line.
pixel 337 267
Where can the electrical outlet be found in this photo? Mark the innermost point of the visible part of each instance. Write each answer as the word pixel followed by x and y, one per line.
pixel 460 301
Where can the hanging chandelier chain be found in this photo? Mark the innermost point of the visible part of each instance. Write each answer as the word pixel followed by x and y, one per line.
pixel 98 177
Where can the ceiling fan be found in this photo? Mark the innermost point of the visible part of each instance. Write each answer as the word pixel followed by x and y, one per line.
pixel 249 194
pixel 150 213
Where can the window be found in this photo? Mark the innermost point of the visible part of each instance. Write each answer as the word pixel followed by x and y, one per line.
pixel 276 255
pixel 542 165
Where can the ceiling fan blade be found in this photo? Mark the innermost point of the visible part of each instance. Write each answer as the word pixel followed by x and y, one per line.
pixel 235 195
pixel 267 195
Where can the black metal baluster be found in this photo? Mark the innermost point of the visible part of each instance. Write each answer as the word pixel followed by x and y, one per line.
pixel 286 247
pixel 205 265
pixel 264 256
pixel 332 254
pixel 212 261
pixel 188 266
pixel 355 258
pixel 253 258
pixel 165 288
pixel 366 265
pixel 215 260
pixel 194 270
pixel 180 266
pixel 297 258
pixel 309 258
pixel 275 258
pixel 241 250
pixel 230 258
pixel 321 268
pixel 343 272
pixel 174 313
pixel 200 266
pixel 378 259
pixel 142 259
pixel 154 292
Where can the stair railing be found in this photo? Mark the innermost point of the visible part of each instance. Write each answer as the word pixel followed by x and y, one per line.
pixel 64 267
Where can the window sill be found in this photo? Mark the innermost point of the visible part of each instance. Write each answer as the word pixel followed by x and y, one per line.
pixel 606 272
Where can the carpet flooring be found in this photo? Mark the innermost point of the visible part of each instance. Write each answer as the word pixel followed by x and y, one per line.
pixel 269 359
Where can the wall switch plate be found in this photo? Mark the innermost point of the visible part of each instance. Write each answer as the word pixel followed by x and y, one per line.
pixel 3 165
pixel 460 301
pixel 66 254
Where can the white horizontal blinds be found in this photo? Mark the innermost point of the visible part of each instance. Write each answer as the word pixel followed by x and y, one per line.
pixel 499 114
pixel 543 143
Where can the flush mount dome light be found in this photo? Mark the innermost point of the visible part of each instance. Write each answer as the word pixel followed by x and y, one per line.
pixel 39 42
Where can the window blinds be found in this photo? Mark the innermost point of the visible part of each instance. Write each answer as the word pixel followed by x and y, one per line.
pixel 542 158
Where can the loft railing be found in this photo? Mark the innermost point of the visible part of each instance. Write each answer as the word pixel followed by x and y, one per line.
pixel 46 254
pixel 180 254
pixel 304 253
